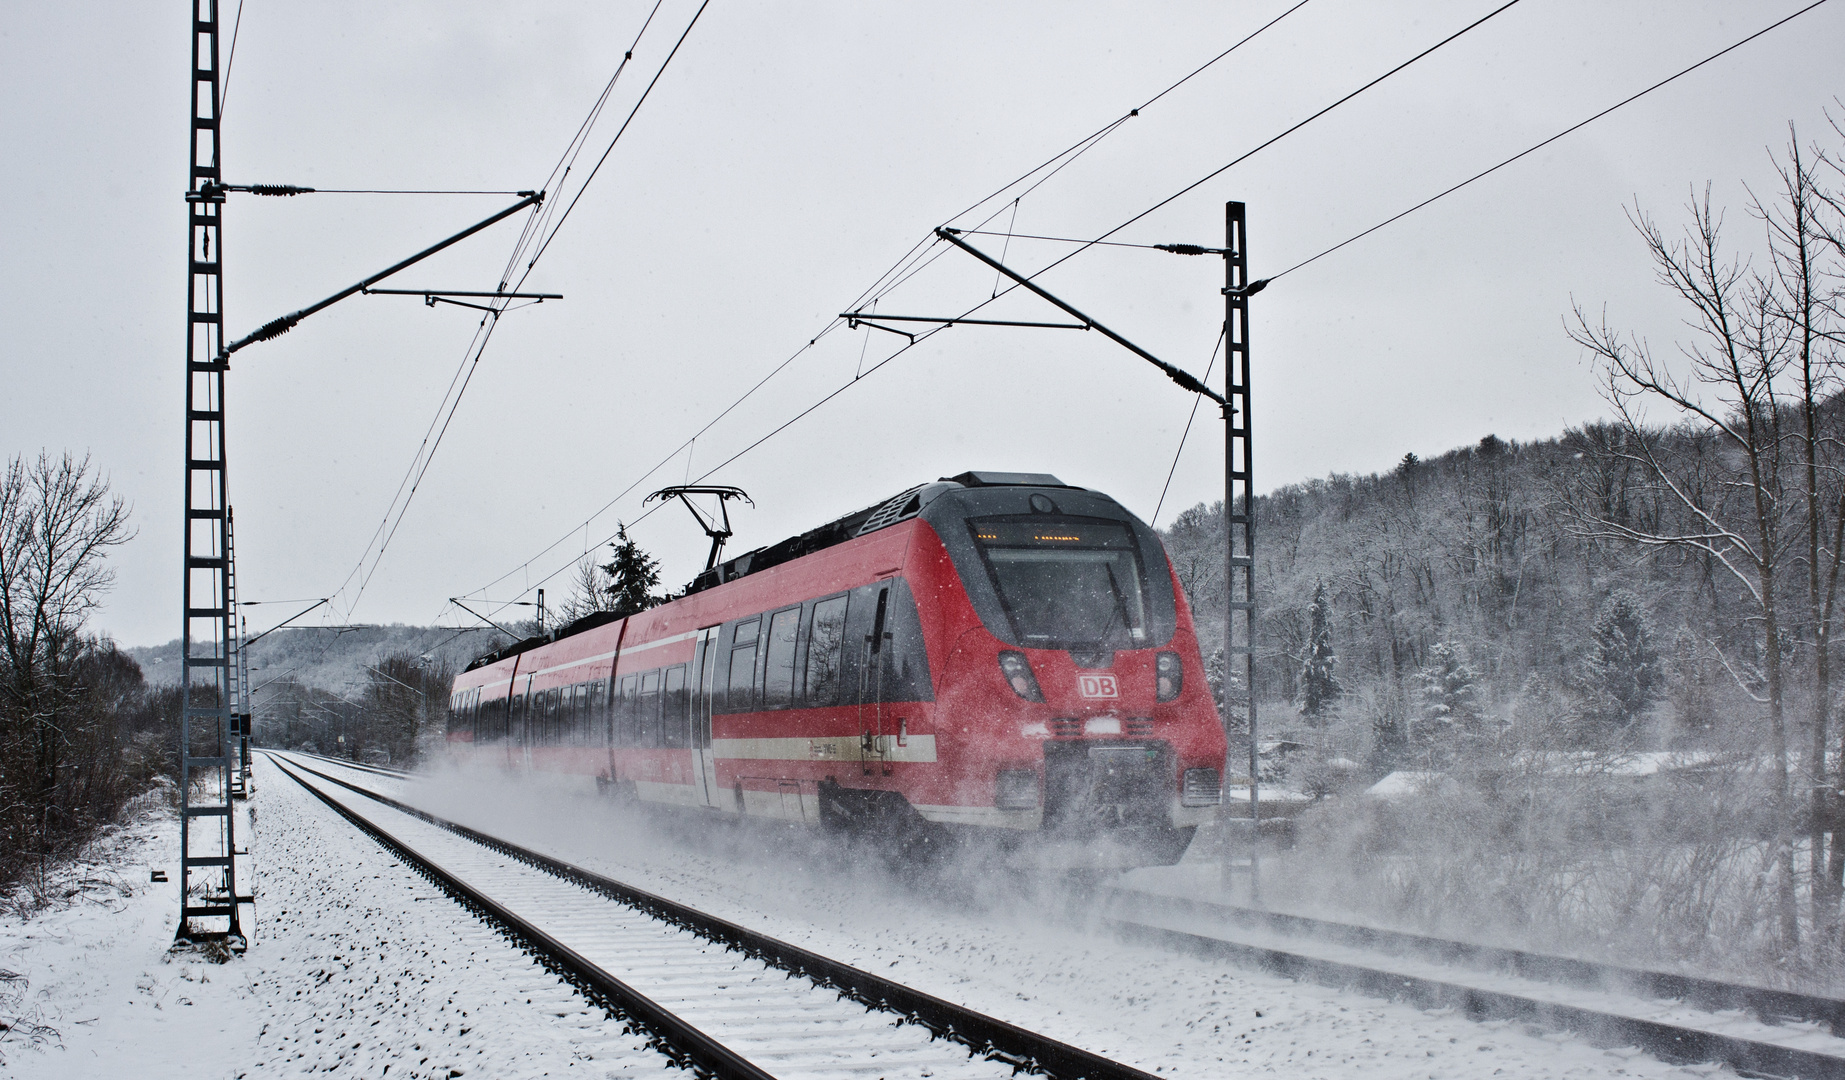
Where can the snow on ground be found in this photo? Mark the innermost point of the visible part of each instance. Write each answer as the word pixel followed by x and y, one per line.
pixel 355 967
pixel 1007 944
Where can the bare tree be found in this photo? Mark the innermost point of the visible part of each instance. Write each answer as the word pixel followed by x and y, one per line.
pixel 590 592
pixel 1803 299
pixel 406 697
pixel 1730 387
pixel 57 524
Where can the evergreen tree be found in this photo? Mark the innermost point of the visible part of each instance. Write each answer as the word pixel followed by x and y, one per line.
pixel 633 575
pixel 1448 699
pixel 1318 678
pixel 1624 671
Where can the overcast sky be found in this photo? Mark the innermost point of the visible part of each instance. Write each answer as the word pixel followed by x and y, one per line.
pixel 789 155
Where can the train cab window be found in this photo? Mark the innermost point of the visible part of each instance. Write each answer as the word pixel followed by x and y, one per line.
pixel 626 711
pixel 742 668
pixel 649 725
pixel 676 712
pixel 826 640
pixel 778 668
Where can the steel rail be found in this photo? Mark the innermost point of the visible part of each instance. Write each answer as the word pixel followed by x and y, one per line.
pixel 1670 1042
pixel 1667 1041
pixel 670 1034
pixel 980 1033
pixel 1709 994
pixel 382 770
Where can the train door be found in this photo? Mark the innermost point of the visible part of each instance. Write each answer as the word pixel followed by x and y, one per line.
pixel 873 746
pixel 704 671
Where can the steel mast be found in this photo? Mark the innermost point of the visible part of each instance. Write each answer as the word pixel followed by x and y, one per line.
pixel 1240 516
pixel 208 875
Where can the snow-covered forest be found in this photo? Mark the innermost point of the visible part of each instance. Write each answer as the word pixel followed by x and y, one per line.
pixel 1603 659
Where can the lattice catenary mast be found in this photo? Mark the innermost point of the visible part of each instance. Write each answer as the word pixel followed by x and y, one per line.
pixel 208 872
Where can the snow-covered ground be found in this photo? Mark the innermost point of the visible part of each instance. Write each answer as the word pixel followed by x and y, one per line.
pixel 1009 945
pixel 359 968
pixel 355 967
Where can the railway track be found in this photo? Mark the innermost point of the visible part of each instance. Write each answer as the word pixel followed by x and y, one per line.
pixel 1755 1030
pixel 1777 1006
pixel 711 994
pixel 381 770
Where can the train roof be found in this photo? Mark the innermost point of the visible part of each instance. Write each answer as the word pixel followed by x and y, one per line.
pixel 902 506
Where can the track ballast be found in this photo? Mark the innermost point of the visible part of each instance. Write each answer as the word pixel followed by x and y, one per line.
pixel 715 995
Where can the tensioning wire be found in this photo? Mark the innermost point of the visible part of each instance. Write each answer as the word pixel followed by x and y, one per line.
pixel 483 333
pixel 1540 145
pixel 905 268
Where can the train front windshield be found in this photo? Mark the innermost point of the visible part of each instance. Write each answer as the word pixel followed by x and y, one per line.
pixel 1066 581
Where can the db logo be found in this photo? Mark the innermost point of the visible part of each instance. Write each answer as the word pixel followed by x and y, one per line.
pixel 1097 686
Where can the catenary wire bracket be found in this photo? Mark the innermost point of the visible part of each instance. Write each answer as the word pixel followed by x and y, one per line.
pixel 432 297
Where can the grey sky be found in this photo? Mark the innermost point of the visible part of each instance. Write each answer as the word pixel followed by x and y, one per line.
pixel 790 155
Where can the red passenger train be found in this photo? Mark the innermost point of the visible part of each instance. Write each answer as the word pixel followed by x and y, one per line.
pixel 994 654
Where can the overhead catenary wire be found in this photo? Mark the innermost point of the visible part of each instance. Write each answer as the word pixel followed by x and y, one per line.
pixel 419 465
pixel 906 347
pixel 566 162
pixel 1265 144
pixel 1482 174
pixel 224 91
pixel 1579 125
pixel 1284 133
pixel 904 268
pixel 565 216
pixel 1153 522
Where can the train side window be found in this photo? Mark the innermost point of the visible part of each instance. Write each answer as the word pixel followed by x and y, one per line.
pixel 605 715
pixel 626 713
pixel 778 669
pixel 650 709
pixel 677 712
pixel 742 668
pixel 825 650
pixel 516 728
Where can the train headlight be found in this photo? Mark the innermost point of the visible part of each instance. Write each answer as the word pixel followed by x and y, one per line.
pixel 1171 675
pixel 1017 790
pixel 1018 676
pixel 1202 787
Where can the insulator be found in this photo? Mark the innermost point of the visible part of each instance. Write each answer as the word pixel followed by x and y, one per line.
pixel 275 329
pixel 1181 249
pixel 279 189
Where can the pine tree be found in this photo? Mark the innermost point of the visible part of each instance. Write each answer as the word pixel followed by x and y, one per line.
pixel 633 575
pixel 1623 665
pixel 1448 694
pixel 1319 679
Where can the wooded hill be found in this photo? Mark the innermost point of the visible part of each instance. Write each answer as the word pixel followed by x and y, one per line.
pixel 1480 589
